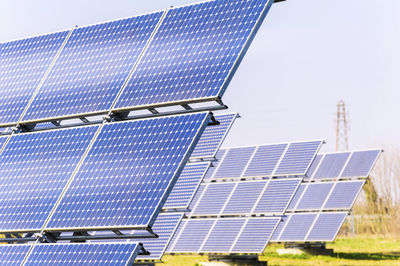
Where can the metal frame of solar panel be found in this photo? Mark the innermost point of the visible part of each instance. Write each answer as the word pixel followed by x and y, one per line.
pixel 323 201
pixel 117 85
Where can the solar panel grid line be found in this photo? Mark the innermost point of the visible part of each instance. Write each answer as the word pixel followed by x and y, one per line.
pixel 146 217
pixel 207 235
pixel 45 76
pixel 249 161
pixel 13 254
pixel 345 214
pixel 181 227
pixel 138 61
pixel 280 160
pixel 367 171
pixel 173 197
pixel 260 196
pixel 317 167
pixel 312 225
pixel 219 163
pixel 339 183
pixel 72 176
pixel 228 199
pixel 238 235
pixel 293 227
pixel 278 238
pixel 315 193
pixel 246 46
pixel 198 154
pixel 198 200
pixel 346 163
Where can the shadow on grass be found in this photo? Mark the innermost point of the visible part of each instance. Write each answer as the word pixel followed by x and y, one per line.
pixel 367 256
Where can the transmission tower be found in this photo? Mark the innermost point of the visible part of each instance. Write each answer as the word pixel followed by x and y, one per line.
pixel 342 140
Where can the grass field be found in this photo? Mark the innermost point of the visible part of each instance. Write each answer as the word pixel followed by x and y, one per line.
pixel 360 250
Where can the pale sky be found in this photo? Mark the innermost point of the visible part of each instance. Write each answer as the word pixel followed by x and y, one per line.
pixel 307 56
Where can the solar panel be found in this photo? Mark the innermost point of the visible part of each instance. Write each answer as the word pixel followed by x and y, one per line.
pixel 281 226
pixel 186 186
pixel 234 162
pixel 314 165
pixel 128 173
pixel 244 197
pixel 214 198
pixel 332 165
pixel 277 196
pixel 92 68
pixel 84 254
pixel 255 235
pixel 175 236
pixel 265 160
pixel 164 227
pixel 314 196
pixel 222 235
pixel 213 137
pixel 344 194
pixel 297 196
pixel 34 169
pixel 218 157
pixel 326 226
pixel 194 53
pixel 23 65
pixel 297 158
pixel 13 254
pixel 361 163
pixel 297 226
pixel 192 235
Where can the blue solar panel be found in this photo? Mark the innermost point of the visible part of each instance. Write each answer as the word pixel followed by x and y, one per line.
pixel 175 236
pixel 213 137
pixel 13 254
pixel 23 65
pixel 332 165
pixel 244 197
pixel 222 236
pixel 197 196
pixel 186 186
pixel 298 158
pixel 297 227
pixel 195 52
pixel 279 228
pixel 327 226
pixel 255 235
pixel 84 254
pixel 314 196
pixel 210 173
pixel 361 163
pixel 234 162
pixel 92 68
pixel 214 198
pixel 296 197
pixel 192 236
pixel 164 227
pixel 277 196
pixel 128 173
pixel 344 194
pixel 34 169
pixel 314 165
pixel 265 160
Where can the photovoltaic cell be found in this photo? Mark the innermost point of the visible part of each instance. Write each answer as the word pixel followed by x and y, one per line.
pixel 327 226
pixel 234 162
pixel 265 160
pixel 34 169
pixel 279 228
pixel 177 232
pixel 186 186
pixel 297 227
pixel 332 165
pixel 196 197
pixel 343 195
pixel 13 254
pixel 83 254
pixel 23 65
pixel 195 52
pixel 164 226
pixel 277 196
pixel 298 158
pixel 210 173
pixel 244 197
pixel 296 197
pixel 128 173
pixel 313 166
pixel 213 137
pixel 360 163
pixel 92 67
pixel 255 235
pixel 193 235
pixel 213 198
pixel 314 196
pixel 221 237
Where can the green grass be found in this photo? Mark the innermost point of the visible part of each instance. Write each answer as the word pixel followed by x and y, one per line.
pixel 360 250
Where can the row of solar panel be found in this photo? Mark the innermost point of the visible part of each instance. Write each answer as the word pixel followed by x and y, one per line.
pixel 184 54
pixel 94 177
pixel 252 197
pixel 343 165
pixel 225 235
pixel 286 159
pixel 309 227
pixel 70 254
